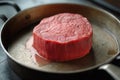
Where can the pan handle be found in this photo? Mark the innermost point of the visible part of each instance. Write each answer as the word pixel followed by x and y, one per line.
pixel 112 69
pixel 3 17
pixel 10 3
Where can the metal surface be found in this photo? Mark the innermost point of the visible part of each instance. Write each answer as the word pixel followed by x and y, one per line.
pixel 105 44
pixel 110 4
pixel 112 69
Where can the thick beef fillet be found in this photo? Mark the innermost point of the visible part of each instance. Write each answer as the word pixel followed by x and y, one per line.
pixel 63 37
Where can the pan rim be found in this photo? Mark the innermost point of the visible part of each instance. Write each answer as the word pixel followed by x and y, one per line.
pixel 61 72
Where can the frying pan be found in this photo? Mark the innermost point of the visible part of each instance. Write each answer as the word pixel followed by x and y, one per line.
pixel 106 43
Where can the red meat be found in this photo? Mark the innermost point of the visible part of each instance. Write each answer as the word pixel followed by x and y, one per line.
pixel 63 37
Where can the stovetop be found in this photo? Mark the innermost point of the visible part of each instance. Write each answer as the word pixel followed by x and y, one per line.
pixel 5 72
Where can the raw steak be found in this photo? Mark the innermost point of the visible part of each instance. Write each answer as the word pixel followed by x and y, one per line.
pixel 63 37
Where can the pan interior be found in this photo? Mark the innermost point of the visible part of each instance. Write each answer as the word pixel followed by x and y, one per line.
pixel 104 48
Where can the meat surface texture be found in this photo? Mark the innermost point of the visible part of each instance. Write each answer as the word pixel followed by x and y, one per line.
pixel 63 37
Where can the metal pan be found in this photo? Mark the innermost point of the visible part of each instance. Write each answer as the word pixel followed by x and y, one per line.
pixel 106 43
